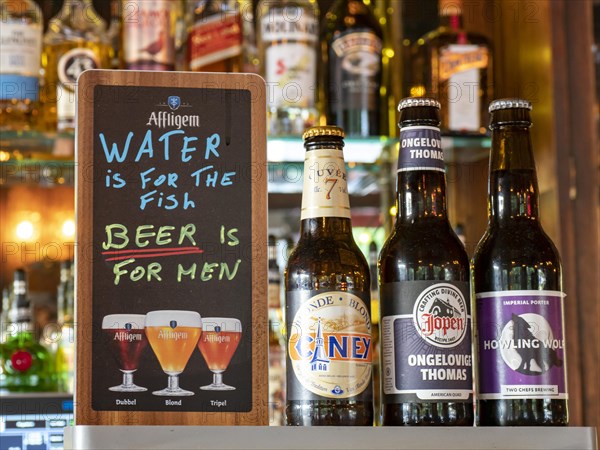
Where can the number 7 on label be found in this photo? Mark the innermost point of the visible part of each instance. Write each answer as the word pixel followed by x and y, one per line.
pixel 334 182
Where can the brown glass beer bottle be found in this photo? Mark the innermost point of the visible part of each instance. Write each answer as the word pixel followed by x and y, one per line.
pixel 327 287
pixel 518 288
pixel 425 326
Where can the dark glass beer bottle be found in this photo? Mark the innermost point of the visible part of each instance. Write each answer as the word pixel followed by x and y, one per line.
pixel 426 361
pixel 352 68
pixel 518 288
pixel 327 298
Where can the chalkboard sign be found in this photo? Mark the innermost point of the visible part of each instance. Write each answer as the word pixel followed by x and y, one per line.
pixel 171 287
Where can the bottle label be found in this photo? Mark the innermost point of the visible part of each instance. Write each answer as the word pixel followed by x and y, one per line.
pixel 426 341
pixel 20 50
pixel 290 36
pixel 70 66
pixel 329 346
pixel 420 149
pixel 460 66
pixel 521 345
pixel 214 39
pixel 325 192
pixel 355 64
pixel 148 35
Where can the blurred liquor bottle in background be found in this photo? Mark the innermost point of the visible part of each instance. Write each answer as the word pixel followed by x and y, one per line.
pixel 288 35
pixel 455 67
pixel 276 340
pixel 65 339
pixel 115 34
pixel 75 41
pixel 222 37
pixel 149 32
pixel 27 366
pixel 351 49
pixel 20 49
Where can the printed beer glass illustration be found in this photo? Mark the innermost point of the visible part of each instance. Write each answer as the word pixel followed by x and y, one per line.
pixel 219 340
pixel 173 336
pixel 124 335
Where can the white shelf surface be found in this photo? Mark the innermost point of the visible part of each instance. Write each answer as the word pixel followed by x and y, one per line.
pixel 320 438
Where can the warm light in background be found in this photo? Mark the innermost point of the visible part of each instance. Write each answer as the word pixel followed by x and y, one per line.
pixel 393 211
pixel 68 228
pixel 25 230
pixel 417 91
pixel 364 237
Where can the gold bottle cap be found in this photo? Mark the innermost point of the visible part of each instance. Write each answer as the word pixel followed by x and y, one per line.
pixel 510 103
pixel 324 130
pixel 411 102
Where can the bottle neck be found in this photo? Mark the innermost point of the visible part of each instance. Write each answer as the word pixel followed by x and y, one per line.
pixel 421 196
pixel 454 21
pixel 325 201
pixel 339 228
pixel 421 181
pixel 513 187
pixel 450 12
pixel 71 6
pixel 78 15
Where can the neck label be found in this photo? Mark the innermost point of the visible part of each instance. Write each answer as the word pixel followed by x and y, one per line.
pixel 421 149
pixel 325 192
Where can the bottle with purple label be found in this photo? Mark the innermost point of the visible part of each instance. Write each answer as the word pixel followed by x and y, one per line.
pixel 425 326
pixel 518 288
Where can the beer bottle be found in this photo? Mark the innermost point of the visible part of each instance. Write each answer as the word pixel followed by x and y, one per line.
pixel 426 362
pixel 518 288
pixel 327 298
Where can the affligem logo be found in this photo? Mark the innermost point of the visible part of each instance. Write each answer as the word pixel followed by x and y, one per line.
pixel 168 119
pixel 174 102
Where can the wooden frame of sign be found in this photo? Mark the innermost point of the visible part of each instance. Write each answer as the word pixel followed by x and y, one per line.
pixel 171 257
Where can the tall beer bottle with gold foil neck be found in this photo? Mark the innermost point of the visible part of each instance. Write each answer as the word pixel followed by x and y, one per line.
pixel 518 288
pixel 327 286
pixel 426 361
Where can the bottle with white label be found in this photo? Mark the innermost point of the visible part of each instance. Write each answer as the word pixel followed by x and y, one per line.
pixel 76 41
pixel 424 301
pixel 20 49
pixel 288 36
pixel 327 284
pixel 454 66
pixel 149 28
pixel 352 43
pixel 518 288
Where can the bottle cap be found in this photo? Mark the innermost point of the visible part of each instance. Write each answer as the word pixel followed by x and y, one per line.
pixel 411 102
pixel 510 103
pixel 324 130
